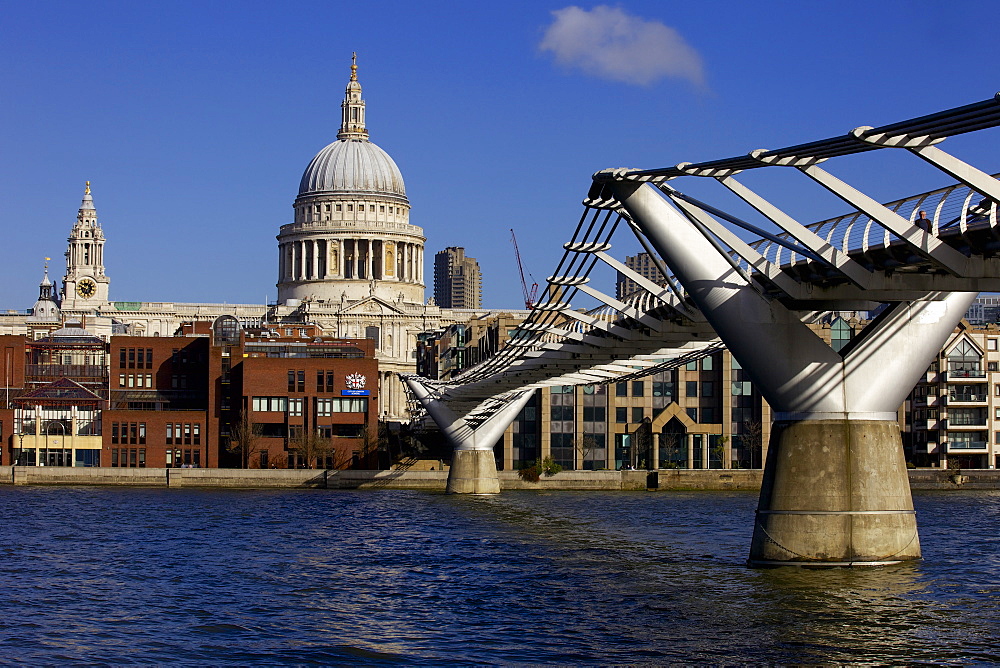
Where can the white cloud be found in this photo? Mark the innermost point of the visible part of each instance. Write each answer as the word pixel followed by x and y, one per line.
pixel 612 44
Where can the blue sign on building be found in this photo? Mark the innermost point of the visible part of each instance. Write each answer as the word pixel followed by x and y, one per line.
pixel 355 393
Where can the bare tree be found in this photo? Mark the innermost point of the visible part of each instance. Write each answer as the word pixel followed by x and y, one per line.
pixel 719 450
pixel 311 445
pixel 750 439
pixel 371 442
pixel 586 447
pixel 670 443
pixel 245 439
pixel 642 445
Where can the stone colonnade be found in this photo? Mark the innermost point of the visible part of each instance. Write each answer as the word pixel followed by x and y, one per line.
pixel 358 259
pixel 392 395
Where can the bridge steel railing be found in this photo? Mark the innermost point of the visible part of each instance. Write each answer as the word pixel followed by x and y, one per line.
pixel 835 489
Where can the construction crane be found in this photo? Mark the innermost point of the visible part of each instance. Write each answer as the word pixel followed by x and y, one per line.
pixel 529 294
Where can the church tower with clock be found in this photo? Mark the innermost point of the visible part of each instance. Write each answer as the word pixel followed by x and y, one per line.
pixel 85 286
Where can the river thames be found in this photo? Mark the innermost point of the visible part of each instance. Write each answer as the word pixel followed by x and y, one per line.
pixel 147 576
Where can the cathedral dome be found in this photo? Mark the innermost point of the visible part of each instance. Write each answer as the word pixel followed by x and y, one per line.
pixel 352 166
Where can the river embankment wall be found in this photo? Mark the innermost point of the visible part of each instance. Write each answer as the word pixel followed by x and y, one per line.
pixel 664 480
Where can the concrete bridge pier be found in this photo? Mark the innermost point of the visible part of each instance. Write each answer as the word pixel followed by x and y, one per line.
pixel 835 489
pixel 473 466
pixel 835 492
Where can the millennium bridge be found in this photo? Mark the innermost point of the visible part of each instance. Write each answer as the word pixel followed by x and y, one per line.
pixel 835 489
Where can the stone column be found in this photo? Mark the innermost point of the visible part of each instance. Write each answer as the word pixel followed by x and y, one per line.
pixel 690 450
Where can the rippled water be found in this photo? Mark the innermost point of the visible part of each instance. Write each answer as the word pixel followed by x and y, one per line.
pixel 119 576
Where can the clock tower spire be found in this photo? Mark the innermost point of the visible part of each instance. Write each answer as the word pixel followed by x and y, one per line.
pixel 85 286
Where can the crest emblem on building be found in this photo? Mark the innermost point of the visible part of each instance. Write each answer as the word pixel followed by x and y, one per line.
pixel 355 381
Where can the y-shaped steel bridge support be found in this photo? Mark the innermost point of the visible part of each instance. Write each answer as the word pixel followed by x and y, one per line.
pixel 473 467
pixel 835 486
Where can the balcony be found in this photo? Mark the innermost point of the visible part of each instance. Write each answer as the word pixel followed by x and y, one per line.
pixel 962 375
pixel 964 423
pixel 79 372
pixel 966 446
pixel 967 394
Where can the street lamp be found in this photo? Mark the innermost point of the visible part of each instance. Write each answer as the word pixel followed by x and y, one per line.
pixel 21 451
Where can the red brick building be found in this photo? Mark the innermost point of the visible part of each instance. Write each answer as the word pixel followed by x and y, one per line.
pixel 216 395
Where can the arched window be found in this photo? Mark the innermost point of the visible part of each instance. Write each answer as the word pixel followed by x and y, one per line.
pixel 226 329
pixel 840 334
pixel 964 361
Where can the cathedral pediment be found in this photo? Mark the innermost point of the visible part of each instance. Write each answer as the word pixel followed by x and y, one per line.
pixel 371 306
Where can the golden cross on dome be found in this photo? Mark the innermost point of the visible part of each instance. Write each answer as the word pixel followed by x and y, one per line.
pixel 87 191
pixel 354 66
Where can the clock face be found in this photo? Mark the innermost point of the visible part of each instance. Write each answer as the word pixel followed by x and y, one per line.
pixel 86 288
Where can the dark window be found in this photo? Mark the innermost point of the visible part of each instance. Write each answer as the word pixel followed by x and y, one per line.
pixel 621 389
pixel 691 388
pixel 621 414
pixel 637 414
pixel 692 413
pixel 707 388
pixel 302 381
pixel 637 388
pixel 291 381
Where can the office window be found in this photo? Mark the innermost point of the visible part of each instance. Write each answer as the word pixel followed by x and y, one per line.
pixel 295 407
pixel 706 363
pixel 638 388
pixel 707 388
pixel 691 388
pixel 324 407
pixel 637 414
pixel 621 414
pixel 621 389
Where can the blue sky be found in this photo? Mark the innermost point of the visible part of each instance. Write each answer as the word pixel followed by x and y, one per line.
pixel 195 120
